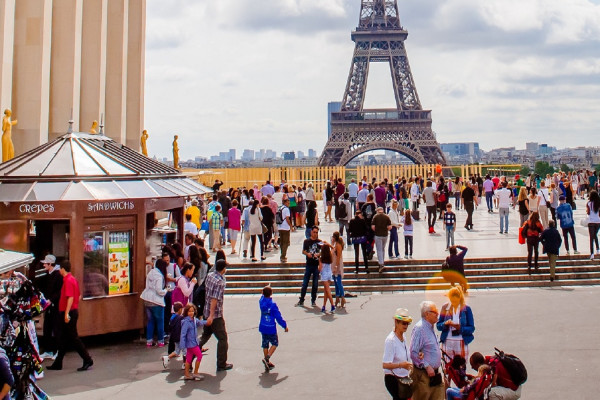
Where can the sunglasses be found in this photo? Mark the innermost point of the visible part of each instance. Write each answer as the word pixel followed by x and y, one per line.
pixel 405 323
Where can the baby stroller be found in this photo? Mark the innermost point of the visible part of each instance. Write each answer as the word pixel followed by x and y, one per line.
pixel 455 370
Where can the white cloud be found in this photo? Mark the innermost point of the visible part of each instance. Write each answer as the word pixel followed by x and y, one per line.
pixel 259 74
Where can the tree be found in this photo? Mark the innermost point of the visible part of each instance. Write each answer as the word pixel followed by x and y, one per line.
pixel 542 168
pixel 525 170
pixel 565 168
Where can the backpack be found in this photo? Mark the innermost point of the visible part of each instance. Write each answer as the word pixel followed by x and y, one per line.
pixel 514 366
pixel 340 211
pixel 442 197
pixel 279 216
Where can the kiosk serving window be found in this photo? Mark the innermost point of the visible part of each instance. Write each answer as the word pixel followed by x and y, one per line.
pixel 107 258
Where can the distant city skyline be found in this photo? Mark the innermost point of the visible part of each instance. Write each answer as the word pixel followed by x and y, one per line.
pixel 495 71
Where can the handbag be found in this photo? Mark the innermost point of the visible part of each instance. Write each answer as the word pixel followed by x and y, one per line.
pixel 585 222
pixel 445 265
pixel 264 228
pixel 435 380
pixel 359 240
pixel 404 387
pixel 204 226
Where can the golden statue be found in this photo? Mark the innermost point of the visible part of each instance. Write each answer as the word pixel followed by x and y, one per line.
pixel 8 149
pixel 175 152
pixel 94 128
pixel 143 140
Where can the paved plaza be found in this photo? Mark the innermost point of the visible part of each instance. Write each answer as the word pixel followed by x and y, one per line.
pixel 483 241
pixel 554 331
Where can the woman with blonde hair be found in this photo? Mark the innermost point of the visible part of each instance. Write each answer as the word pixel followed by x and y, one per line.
pixel 456 324
pixel 523 205
pixel 533 201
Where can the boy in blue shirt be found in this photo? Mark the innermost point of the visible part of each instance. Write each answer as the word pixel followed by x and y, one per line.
pixel 269 317
pixel 564 213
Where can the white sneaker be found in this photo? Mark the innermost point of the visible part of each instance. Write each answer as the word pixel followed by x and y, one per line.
pixel 183 366
pixel 406 257
pixel 568 252
pixel 165 361
pixel 592 257
pixel 575 252
pixel 47 355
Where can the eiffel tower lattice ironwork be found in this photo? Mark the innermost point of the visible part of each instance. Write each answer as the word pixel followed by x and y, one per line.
pixel 406 129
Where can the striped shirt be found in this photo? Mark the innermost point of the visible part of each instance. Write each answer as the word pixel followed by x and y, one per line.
pixel 423 339
pixel 215 289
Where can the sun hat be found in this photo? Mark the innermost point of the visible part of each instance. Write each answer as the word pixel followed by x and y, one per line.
pixel 402 315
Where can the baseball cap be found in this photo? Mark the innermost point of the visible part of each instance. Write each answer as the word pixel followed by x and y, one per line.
pixel 402 315
pixel 50 259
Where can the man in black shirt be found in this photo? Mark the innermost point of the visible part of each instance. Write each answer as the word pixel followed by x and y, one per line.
pixel 469 201
pixel 217 185
pixel 312 250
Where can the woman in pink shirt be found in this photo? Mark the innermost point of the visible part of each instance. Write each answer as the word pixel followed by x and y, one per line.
pixel 235 217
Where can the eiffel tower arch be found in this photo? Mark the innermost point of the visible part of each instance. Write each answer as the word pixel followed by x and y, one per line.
pixel 406 129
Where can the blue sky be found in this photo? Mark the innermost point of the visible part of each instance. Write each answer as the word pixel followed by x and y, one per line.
pixel 258 74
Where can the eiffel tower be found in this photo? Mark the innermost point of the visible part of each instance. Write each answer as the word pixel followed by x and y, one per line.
pixel 405 129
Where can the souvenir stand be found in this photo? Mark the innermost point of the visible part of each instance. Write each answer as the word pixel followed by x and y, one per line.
pixel 86 198
pixel 20 302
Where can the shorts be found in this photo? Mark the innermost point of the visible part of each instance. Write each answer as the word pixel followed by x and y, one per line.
pixel 269 338
pixel 191 352
pixel 233 235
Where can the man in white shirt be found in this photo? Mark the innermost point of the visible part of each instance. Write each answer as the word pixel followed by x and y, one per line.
pixel 189 226
pixel 504 202
pixel 362 196
pixel 544 196
pixel 414 194
pixel 284 229
pixel 353 194
pixel 189 241
pixel 430 202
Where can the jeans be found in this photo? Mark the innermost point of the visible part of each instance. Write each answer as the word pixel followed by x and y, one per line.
pixel 339 287
pixel 380 242
pixel 353 204
pixel 593 231
pixel 431 216
pixel 68 336
pixel 408 242
pixel 51 328
pixel 307 231
pixel 220 331
pixel 469 208
pixel 504 219
pixel 569 231
pixel 393 242
pixel 310 271
pixel 453 394
pixel 253 244
pixel 156 321
pixel 450 235
pixel 457 200
pixel 363 246
pixel 532 247
pixel 488 200
pixel 344 223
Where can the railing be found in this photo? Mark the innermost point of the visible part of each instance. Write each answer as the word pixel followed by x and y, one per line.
pixel 378 115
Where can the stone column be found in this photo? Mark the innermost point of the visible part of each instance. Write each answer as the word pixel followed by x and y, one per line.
pixel 7 29
pixel 31 73
pixel 116 70
pixel 93 62
pixel 136 58
pixel 65 67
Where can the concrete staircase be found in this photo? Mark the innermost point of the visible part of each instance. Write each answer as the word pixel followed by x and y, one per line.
pixel 410 275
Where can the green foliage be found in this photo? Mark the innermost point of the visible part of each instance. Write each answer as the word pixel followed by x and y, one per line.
pixel 565 168
pixel 542 168
pixel 525 170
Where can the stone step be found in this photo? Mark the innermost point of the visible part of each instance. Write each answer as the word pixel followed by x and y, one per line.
pixel 375 279
pixel 433 286
pixel 259 270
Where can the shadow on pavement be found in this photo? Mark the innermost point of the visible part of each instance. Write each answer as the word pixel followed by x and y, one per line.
pixel 269 379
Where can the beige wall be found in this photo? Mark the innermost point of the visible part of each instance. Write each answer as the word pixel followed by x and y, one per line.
pixel 93 62
pixel 31 73
pixel 7 27
pixel 87 56
pixel 65 67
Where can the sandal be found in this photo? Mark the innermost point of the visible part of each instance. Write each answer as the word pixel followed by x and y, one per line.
pixel 254 260
pixel 189 378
